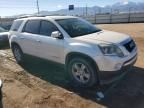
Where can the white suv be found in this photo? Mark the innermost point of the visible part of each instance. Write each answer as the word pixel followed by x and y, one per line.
pixel 90 55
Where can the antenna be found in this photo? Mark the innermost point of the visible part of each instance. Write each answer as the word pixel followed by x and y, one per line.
pixel 37 2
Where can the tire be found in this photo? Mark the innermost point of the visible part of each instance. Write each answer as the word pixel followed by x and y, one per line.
pixel 82 72
pixel 18 54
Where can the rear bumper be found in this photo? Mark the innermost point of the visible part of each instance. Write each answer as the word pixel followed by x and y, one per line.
pixel 107 77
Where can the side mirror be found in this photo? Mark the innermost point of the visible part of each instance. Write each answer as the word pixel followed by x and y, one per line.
pixel 56 34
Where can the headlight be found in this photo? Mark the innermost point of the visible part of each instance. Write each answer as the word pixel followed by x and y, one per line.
pixel 111 50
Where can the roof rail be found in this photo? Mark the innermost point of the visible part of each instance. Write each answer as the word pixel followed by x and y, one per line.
pixel 26 16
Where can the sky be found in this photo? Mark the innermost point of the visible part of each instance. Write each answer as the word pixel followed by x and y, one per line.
pixel 14 7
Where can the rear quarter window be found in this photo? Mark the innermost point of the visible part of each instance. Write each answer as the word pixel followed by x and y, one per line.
pixel 32 26
pixel 16 25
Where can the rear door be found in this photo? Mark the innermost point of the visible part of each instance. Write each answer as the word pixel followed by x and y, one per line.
pixel 29 37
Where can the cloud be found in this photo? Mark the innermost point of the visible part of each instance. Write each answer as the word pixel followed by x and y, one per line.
pixel 125 1
pixel 59 6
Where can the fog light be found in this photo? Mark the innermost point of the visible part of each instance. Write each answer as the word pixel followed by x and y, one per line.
pixel 118 66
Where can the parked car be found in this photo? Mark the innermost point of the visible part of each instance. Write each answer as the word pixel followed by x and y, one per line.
pixel 6 27
pixel 89 54
pixel 4 37
pixel 2 29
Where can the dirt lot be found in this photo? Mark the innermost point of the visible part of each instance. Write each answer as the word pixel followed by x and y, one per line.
pixel 41 84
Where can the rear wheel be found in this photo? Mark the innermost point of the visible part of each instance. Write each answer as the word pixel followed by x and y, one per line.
pixel 18 54
pixel 82 72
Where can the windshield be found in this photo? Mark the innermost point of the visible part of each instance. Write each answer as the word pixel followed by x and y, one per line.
pixel 76 27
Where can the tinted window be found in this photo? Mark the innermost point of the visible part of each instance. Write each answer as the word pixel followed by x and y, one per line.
pixel 16 25
pixel 47 28
pixel 76 27
pixel 32 26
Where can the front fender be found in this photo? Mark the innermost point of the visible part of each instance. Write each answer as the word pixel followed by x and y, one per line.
pixel 83 48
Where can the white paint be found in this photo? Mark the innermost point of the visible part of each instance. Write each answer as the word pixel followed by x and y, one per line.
pixel 56 50
pixel 0 83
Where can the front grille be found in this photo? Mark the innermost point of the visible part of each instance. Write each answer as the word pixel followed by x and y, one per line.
pixel 130 45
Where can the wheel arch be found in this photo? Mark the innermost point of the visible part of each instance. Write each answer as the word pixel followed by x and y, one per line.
pixel 81 55
pixel 71 55
pixel 15 43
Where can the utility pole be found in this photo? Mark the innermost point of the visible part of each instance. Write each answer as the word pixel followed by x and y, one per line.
pixel 99 10
pixel 86 9
pixel 0 20
pixel 129 17
pixel 83 12
pixel 111 13
pixel 37 2
pixel 95 14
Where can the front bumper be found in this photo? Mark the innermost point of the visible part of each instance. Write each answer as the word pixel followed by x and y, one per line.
pixel 107 77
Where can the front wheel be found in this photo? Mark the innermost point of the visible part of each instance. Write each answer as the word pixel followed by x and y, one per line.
pixel 82 72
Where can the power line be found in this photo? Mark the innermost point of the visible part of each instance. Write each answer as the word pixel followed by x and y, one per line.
pixel 13 1
pixel 24 3
pixel 16 7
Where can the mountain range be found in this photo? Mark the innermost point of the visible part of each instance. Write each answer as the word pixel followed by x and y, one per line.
pixel 118 7
pixel 115 8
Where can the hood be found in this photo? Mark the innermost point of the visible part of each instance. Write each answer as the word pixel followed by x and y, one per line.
pixel 104 36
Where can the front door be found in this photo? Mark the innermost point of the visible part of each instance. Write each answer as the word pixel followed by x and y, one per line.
pixel 50 48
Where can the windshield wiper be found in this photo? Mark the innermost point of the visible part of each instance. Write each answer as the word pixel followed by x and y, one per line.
pixel 96 31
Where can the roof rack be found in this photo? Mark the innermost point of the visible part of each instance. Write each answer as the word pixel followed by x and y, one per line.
pixel 26 16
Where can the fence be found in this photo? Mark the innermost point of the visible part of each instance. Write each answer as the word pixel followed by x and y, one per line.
pixel 99 19
pixel 116 18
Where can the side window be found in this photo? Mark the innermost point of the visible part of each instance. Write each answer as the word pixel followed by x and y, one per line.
pixel 16 25
pixel 47 28
pixel 32 26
